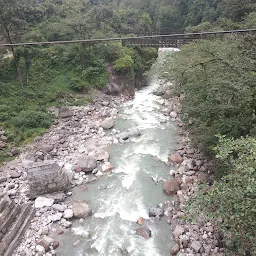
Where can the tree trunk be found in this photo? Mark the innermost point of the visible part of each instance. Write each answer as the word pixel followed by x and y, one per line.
pixel 13 53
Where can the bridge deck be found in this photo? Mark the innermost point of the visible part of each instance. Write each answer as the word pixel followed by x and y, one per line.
pixel 172 40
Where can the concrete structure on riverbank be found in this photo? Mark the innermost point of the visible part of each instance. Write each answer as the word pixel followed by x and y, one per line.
pixel 14 220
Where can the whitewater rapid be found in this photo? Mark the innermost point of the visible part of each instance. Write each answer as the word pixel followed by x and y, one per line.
pixel 133 187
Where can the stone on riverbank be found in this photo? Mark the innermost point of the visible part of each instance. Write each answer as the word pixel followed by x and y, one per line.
pixel 175 249
pixel 46 242
pixel 40 250
pixel 81 210
pixel 175 158
pixel 64 112
pixel 41 202
pixel 68 214
pixel 196 246
pixel 171 187
pixel 102 155
pixel 87 163
pixel 179 230
pixel 107 124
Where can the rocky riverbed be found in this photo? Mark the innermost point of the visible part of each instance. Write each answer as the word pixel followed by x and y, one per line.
pixel 191 168
pixel 79 141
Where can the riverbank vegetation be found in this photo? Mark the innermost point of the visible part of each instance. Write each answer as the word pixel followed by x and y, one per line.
pixel 218 81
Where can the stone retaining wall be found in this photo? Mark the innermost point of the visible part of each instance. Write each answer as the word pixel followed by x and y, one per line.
pixel 12 218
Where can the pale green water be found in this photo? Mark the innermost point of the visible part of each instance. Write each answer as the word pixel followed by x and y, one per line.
pixel 131 190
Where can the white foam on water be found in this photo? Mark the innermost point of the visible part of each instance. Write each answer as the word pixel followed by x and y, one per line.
pixel 81 231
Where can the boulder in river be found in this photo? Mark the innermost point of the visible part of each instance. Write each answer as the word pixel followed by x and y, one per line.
pixel 107 167
pixel 81 210
pixel 156 211
pixel 108 123
pixel 134 132
pixel 144 232
pixel 140 221
pixel 170 187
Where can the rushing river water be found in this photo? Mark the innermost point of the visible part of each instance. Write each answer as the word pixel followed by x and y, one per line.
pixel 131 189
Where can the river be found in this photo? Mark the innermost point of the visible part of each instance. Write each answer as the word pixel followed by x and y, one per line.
pixel 119 199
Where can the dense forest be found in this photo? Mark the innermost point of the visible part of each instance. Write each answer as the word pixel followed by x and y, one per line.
pixel 217 79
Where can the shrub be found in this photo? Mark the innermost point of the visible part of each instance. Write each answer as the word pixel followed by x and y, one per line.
pixel 32 119
pixel 77 84
pixel 124 65
pixel 233 198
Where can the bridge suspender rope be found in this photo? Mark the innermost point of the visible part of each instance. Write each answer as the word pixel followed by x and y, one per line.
pixel 172 40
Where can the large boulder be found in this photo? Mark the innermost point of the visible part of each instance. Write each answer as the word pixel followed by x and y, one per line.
pixel 87 163
pixel 170 187
pixel 175 158
pixel 81 210
pixel 108 123
pixel 144 232
pixel 46 148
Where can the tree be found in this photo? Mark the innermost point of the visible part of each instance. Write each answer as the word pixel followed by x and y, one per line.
pixel 12 25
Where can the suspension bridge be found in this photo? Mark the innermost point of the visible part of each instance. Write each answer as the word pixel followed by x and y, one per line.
pixel 171 40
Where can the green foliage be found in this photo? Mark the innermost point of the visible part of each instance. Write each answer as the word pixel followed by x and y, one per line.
pixel 233 198
pixel 79 85
pixel 124 65
pixel 32 119
pixel 218 79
